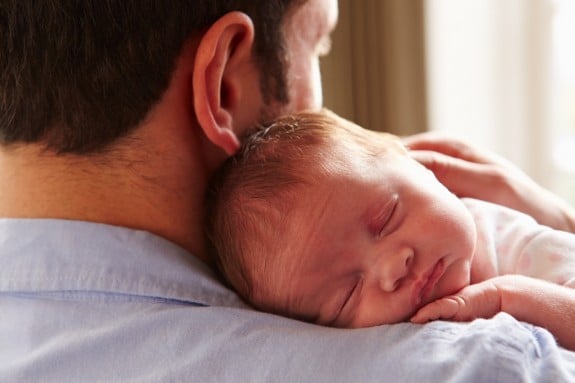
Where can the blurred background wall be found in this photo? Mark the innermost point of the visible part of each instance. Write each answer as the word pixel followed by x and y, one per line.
pixel 375 73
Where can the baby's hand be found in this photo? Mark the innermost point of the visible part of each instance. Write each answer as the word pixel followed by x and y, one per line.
pixel 481 300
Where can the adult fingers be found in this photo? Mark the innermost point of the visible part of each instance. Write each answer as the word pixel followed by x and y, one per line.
pixel 431 141
pixel 462 177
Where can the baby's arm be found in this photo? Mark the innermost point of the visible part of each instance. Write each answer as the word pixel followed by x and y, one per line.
pixel 528 299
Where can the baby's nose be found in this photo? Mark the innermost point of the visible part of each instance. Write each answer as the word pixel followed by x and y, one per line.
pixel 396 269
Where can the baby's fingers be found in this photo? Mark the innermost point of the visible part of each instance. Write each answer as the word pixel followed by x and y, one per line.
pixel 444 308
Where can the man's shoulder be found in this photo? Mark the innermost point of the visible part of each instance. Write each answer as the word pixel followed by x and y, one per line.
pixel 101 304
pixel 77 258
pixel 170 341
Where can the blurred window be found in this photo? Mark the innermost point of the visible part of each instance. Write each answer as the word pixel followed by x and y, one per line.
pixel 501 74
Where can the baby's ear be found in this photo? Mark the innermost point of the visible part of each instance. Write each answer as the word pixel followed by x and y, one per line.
pixel 224 79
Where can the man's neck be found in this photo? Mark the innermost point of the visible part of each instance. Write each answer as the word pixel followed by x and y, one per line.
pixel 128 189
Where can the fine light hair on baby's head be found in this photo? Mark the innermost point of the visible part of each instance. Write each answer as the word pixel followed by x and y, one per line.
pixel 252 195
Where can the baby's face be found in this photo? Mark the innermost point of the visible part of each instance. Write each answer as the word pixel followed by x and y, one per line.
pixel 373 242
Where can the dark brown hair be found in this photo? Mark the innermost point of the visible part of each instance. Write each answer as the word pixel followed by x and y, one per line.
pixel 78 74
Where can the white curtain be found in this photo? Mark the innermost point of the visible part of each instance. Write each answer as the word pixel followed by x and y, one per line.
pixel 489 77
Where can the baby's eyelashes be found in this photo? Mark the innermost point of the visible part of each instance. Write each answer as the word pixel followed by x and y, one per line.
pixel 380 221
pixel 347 309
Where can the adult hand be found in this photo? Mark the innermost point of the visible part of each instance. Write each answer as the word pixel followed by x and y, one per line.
pixel 480 300
pixel 470 172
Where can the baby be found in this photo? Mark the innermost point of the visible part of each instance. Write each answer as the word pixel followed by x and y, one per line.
pixel 318 219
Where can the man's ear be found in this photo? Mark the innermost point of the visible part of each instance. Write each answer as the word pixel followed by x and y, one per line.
pixel 222 54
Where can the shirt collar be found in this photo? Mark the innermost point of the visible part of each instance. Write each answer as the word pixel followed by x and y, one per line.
pixel 63 255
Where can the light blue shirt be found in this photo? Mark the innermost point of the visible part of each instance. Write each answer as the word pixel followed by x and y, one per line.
pixel 84 302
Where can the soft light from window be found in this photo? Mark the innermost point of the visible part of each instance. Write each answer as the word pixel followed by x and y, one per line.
pixel 563 99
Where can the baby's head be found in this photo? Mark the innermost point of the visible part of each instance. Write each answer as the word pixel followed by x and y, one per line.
pixel 319 219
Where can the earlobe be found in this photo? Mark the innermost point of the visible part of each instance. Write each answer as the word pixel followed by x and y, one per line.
pixel 226 44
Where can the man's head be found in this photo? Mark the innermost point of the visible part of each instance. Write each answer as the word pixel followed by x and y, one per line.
pixel 78 75
pixel 319 219
pixel 138 102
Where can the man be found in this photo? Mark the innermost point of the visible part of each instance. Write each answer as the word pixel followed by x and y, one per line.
pixel 113 115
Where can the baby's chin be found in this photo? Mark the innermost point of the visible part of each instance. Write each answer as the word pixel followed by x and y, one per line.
pixel 456 277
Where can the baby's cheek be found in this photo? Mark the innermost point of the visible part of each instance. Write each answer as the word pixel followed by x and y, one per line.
pixel 456 277
pixel 470 236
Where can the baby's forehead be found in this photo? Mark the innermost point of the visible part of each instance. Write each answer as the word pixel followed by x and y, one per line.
pixel 286 290
pixel 289 249
pixel 341 159
pixel 275 281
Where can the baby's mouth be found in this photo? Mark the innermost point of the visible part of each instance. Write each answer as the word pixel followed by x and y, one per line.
pixel 424 287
